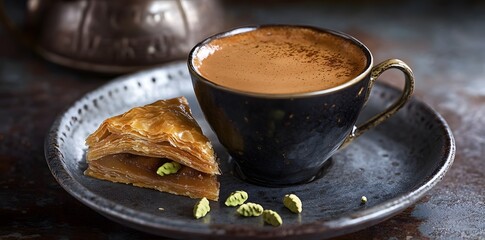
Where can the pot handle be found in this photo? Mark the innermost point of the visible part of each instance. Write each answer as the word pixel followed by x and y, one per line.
pixel 12 27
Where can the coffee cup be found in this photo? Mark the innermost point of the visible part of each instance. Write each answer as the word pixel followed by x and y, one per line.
pixel 283 99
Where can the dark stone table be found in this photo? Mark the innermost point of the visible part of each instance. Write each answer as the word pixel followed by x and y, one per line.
pixel 444 43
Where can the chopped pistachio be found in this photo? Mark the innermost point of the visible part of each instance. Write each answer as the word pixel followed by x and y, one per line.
pixel 236 198
pixel 292 202
pixel 272 217
pixel 363 199
pixel 250 209
pixel 168 168
pixel 201 208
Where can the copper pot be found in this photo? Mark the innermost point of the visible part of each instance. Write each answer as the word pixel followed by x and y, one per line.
pixel 118 36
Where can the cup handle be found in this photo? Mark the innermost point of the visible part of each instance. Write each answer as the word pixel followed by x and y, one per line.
pixel 381 117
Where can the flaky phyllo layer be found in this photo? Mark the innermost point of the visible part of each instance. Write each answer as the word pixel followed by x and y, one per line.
pixel 129 147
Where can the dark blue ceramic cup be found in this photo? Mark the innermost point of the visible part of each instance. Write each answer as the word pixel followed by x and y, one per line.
pixel 284 139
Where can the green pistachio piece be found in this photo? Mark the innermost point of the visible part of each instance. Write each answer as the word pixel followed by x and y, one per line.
pixel 201 208
pixel 168 168
pixel 250 209
pixel 236 198
pixel 363 199
pixel 272 217
pixel 292 202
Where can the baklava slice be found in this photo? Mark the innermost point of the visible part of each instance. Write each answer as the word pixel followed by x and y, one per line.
pixel 129 148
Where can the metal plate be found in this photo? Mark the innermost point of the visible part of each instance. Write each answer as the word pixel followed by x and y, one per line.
pixel 393 165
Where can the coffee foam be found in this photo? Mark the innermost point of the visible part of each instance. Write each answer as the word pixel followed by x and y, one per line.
pixel 280 60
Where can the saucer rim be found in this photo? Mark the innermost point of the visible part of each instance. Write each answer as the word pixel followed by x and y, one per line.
pixel 344 224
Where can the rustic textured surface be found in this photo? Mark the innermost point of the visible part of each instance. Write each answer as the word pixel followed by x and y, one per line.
pixel 443 43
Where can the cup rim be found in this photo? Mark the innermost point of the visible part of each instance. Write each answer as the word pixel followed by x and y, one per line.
pixel 244 29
